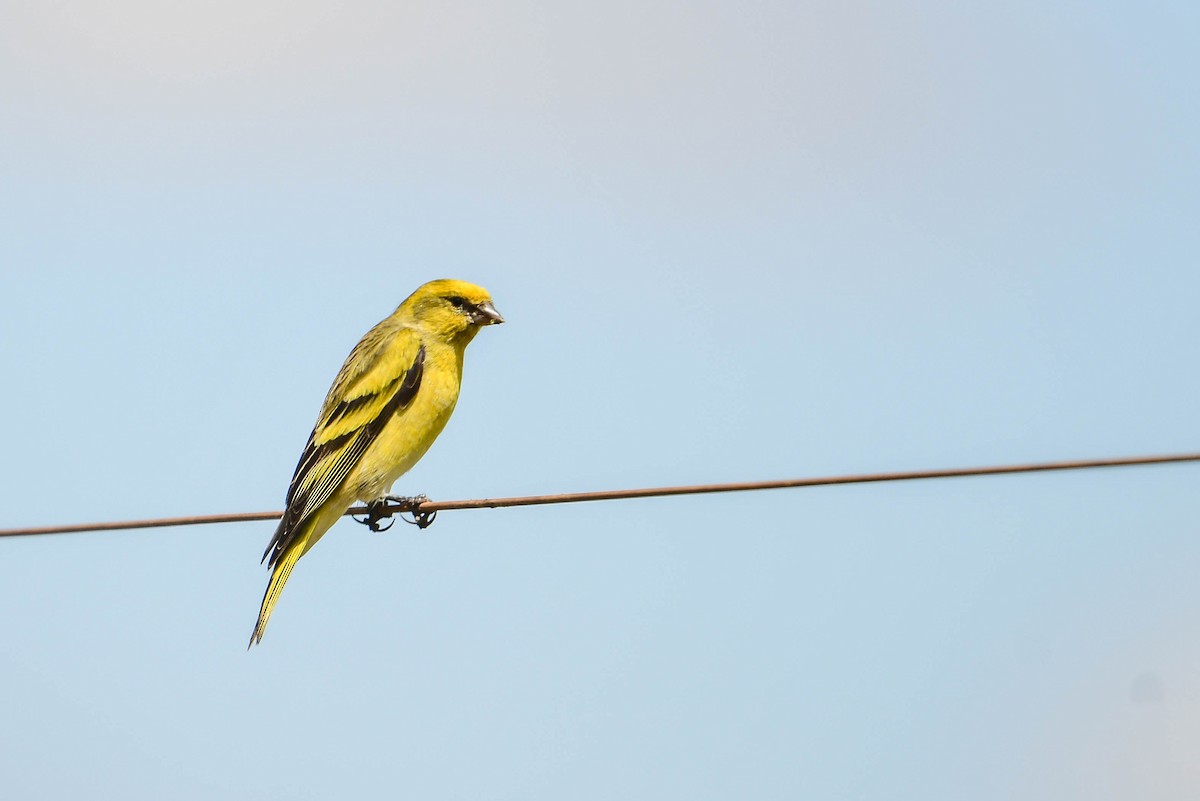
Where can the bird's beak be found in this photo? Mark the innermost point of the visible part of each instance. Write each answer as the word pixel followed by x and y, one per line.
pixel 485 314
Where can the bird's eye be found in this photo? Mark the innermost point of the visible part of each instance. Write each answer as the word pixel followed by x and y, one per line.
pixel 457 302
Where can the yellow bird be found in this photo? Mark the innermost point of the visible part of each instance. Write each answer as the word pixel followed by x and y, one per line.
pixel 387 405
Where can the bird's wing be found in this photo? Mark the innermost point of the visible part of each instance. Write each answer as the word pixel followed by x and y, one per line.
pixel 378 380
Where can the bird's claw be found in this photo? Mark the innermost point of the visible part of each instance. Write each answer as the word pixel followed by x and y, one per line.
pixel 421 519
pixel 383 509
pixel 377 510
pixel 410 504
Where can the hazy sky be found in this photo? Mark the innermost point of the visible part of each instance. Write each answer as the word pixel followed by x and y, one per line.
pixel 733 242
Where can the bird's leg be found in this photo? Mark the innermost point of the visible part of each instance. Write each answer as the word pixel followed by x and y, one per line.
pixel 411 505
pixel 377 510
pixel 384 507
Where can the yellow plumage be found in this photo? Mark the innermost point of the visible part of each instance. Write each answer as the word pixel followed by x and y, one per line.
pixel 387 405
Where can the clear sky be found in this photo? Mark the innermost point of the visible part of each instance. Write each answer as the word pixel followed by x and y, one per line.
pixel 733 241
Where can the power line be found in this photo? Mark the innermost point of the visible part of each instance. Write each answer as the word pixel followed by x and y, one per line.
pixel 426 508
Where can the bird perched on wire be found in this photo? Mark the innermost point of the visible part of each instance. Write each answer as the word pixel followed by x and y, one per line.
pixel 387 405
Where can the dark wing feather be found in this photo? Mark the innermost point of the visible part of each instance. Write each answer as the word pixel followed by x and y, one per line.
pixel 355 423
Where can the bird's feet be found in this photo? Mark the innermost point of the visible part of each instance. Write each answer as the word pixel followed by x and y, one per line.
pixel 383 509
pixel 411 505
pixel 377 510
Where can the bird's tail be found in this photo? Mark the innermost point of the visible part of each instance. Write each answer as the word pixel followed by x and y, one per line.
pixel 279 577
pixel 299 541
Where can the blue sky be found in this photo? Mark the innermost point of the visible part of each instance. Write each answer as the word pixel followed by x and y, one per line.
pixel 732 242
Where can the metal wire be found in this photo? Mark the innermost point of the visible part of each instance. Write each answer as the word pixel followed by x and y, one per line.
pixel 428 507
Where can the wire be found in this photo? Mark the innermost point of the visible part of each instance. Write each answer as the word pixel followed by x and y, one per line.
pixel 429 507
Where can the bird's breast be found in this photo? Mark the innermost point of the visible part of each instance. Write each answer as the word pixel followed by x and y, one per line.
pixel 407 436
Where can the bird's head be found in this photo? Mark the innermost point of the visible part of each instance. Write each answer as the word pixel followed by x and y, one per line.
pixel 451 309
